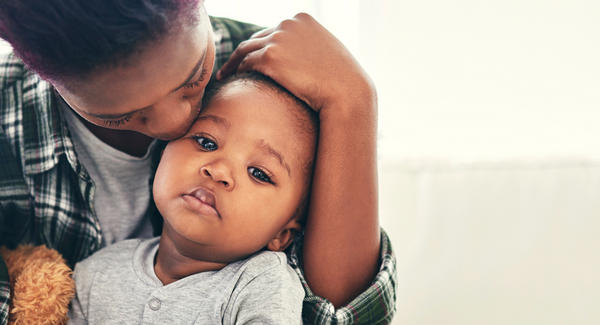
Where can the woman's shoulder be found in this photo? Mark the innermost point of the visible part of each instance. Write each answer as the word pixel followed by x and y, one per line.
pixel 12 69
pixel 230 30
pixel 21 87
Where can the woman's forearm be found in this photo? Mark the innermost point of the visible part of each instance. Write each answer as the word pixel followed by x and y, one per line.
pixel 341 244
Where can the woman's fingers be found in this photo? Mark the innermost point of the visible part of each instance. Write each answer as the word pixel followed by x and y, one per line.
pixel 253 61
pixel 256 42
pixel 306 59
pixel 263 33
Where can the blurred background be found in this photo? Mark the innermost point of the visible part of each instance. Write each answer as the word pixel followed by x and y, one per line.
pixel 489 153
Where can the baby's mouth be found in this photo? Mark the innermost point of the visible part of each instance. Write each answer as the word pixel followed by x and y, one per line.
pixel 202 201
pixel 205 196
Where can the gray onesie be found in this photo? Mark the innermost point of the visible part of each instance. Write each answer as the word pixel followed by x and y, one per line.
pixel 117 285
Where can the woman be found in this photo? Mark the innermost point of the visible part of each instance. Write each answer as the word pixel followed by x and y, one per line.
pixel 135 71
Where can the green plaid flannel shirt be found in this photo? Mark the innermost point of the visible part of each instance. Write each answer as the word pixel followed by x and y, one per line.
pixel 46 195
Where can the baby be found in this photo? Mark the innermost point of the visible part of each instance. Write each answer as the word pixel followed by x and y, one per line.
pixel 232 192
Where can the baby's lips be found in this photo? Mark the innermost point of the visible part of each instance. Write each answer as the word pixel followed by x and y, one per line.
pixel 205 196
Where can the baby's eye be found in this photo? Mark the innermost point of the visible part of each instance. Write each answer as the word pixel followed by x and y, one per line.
pixel 259 175
pixel 205 143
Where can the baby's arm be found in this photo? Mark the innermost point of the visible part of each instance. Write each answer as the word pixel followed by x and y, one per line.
pixel 342 241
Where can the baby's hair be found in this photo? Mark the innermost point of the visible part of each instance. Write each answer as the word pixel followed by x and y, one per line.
pixel 308 121
pixel 307 118
pixel 73 38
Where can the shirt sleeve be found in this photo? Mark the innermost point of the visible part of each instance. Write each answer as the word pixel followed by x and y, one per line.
pixel 271 296
pixel 376 305
pixel 4 293
pixel 228 35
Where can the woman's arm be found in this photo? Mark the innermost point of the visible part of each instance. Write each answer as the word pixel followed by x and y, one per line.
pixel 341 247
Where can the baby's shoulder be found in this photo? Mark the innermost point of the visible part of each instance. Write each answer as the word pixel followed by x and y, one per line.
pixel 265 264
pixel 266 281
pixel 267 259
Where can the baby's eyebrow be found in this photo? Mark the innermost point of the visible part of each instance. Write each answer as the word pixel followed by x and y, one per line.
pixel 263 145
pixel 217 119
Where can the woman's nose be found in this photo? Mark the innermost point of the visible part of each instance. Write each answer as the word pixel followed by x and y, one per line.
pixel 171 116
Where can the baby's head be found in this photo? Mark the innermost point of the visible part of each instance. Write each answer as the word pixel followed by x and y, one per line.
pixel 238 181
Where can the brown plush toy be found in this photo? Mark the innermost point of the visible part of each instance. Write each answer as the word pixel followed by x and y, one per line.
pixel 41 285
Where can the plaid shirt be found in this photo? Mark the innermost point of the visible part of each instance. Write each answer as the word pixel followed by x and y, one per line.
pixel 46 196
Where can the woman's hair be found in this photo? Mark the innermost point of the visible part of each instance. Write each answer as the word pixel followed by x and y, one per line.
pixel 65 38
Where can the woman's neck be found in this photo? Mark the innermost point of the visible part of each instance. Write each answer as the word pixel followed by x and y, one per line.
pixel 171 265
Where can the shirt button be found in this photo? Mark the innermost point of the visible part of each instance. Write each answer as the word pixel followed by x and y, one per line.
pixel 154 304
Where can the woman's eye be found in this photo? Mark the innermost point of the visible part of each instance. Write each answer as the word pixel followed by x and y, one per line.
pixel 205 143
pixel 259 175
pixel 192 84
pixel 197 83
pixel 118 122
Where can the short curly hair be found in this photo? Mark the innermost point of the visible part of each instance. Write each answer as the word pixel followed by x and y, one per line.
pixel 65 38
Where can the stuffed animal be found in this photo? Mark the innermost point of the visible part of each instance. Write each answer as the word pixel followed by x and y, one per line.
pixel 41 285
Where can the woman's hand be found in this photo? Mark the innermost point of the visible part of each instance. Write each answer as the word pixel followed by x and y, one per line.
pixel 307 60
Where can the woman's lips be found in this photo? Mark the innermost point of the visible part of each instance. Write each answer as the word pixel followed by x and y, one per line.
pixel 202 202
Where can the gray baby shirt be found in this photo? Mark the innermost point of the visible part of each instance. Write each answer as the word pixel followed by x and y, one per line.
pixel 117 285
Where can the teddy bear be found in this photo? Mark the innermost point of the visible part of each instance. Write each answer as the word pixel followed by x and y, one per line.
pixel 41 285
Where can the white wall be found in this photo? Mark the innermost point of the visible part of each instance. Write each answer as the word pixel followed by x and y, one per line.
pixel 496 243
pixel 4 47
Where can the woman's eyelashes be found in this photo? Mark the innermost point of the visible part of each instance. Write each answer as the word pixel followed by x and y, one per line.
pixel 117 122
pixel 207 144
pixel 197 82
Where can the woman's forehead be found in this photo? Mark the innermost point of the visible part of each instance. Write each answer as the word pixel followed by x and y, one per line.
pixel 155 72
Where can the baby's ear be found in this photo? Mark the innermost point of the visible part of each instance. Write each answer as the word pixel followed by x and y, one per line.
pixel 285 236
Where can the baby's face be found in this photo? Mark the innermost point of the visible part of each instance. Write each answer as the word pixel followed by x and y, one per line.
pixel 236 178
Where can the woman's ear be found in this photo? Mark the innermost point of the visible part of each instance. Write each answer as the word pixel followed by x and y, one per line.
pixel 285 236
